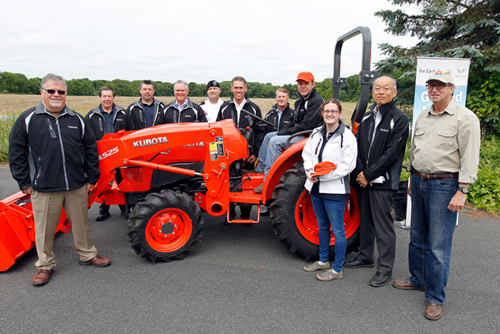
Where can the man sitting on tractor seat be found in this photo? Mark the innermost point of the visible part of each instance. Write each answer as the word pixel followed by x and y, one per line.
pixel 280 115
pixel 307 117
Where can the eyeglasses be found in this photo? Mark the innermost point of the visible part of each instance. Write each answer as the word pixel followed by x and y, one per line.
pixel 385 89
pixel 439 86
pixel 53 91
pixel 330 111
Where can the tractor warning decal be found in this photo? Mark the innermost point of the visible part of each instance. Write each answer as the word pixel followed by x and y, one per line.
pixel 220 146
pixel 216 149
pixel 213 151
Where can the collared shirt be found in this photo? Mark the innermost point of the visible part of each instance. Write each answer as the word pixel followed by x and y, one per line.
pixel 238 109
pixel 108 119
pixel 279 113
pixel 180 106
pixel 447 143
pixel 149 112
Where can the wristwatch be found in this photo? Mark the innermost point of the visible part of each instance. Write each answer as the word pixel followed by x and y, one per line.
pixel 465 190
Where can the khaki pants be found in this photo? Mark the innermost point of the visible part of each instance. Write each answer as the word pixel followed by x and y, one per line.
pixel 47 211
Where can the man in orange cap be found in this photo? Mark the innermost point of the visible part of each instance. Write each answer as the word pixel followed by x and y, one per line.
pixel 307 117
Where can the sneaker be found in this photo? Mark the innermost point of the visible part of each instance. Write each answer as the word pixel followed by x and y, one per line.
pixel 316 266
pixel 259 189
pixel 329 275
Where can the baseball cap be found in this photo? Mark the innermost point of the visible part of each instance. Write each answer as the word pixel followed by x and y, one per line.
pixel 212 83
pixel 305 76
pixel 323 168
pixel 442 75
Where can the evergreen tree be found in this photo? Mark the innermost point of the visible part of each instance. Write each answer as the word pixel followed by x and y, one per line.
pixel 445 28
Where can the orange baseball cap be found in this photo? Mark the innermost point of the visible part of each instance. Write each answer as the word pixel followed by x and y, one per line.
pixel 305 76
pixel 323 168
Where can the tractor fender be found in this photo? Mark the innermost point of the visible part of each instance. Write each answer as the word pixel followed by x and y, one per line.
pixel 285 161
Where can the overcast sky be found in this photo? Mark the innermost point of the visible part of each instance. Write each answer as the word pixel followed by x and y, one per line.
pixel 192 40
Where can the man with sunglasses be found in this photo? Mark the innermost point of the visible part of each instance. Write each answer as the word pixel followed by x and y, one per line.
pixel 444 162
pixel 54 158
pixel 381 138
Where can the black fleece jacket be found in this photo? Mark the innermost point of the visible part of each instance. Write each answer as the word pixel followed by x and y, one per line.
pixel 383 154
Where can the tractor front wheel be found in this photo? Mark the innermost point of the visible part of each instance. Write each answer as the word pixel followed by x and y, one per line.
pixel 295 221
pixel 165 226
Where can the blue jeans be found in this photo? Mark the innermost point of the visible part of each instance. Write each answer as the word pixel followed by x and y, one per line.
pixel 330 213
pixel 432 227
pixel 263 151
pixel 275 148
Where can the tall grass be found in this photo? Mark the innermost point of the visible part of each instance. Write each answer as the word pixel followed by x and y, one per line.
pixel 6 123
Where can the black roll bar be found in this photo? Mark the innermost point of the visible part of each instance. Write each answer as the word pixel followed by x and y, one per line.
pixel 366 77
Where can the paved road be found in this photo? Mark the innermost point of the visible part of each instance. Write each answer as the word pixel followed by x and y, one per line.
pixel 241 280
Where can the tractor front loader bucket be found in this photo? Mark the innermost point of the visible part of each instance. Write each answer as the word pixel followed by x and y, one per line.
pixel 17 228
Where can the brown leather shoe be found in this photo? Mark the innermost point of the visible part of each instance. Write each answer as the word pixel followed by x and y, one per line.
pixel 405 285
pixel 98 261
pixel 433 311
pixel 41 277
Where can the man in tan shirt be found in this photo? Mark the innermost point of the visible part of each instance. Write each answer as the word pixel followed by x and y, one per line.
pixel 444 161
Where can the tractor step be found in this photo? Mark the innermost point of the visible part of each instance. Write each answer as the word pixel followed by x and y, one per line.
pixel 245 221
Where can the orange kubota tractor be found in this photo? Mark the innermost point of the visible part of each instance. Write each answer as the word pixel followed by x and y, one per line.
pixel 171 173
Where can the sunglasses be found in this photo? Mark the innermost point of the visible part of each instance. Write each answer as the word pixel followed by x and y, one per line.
pixel 53 91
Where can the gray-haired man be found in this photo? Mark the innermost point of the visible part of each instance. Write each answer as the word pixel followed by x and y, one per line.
pixel 53 158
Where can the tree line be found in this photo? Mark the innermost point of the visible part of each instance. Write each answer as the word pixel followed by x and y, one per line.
pixel 18 83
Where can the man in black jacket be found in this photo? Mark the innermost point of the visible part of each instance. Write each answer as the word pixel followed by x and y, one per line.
pixel 53 158
pixel 107 118
pixel 183 109
pixel 307 117
pixel 381 138
pixel 147 111
pixel 232 110
pixel 280 115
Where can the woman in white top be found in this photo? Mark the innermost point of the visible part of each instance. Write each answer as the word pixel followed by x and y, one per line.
pixel 335 143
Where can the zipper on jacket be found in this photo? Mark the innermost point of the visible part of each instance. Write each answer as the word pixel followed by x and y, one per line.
pixel 63 156
pixel 141 117
pixel 51 129
pixel 370 137
pixel 317 146
pixel 39 166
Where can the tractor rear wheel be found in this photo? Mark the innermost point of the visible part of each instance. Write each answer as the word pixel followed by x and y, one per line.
pixel 165 226
pixel 294 220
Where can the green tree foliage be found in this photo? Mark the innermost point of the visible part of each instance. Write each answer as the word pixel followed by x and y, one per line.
pixel 15 83
pixel 485 101
pixel 445 28
pixel 82 87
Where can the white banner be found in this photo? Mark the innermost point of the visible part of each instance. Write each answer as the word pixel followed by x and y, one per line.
pixel 459 68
